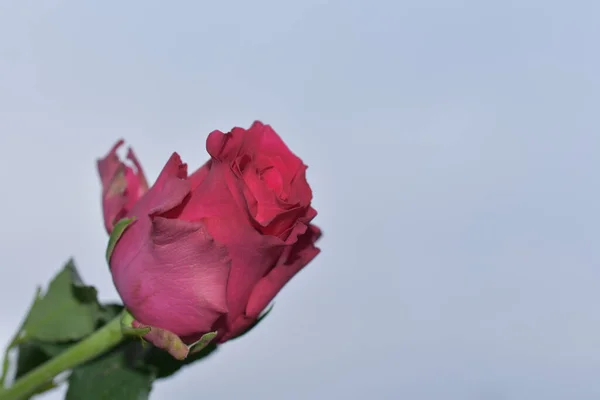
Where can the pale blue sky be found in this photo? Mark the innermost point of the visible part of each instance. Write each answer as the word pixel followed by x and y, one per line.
pixel 452 148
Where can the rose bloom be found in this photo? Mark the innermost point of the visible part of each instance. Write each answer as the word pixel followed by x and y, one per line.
pixel 208 251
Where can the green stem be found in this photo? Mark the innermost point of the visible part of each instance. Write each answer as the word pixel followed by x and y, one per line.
pixel 97 343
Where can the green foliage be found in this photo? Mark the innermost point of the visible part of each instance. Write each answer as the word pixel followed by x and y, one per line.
pixel 69 312
pixel 111 376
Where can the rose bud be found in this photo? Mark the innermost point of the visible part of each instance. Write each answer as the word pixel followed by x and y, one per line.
pixel 207 252
pixel 122 185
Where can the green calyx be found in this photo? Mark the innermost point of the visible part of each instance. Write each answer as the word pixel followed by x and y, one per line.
pixel 163 338
pixel 127 327
pixel 201 343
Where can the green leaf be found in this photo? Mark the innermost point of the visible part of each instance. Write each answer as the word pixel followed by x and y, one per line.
pixel 262 316
pixel 68 311
pixel 29 356
pixel 116 234
pixel 33 354
pixel 110 377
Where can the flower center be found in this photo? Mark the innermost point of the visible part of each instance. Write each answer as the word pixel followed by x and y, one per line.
pixel 272 178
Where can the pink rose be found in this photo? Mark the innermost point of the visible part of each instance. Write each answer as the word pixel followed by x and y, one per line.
pixel 209 251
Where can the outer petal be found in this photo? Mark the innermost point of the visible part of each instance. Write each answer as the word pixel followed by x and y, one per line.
pixel 290 236
pixel 122 185
pixel 225 146
pixel 199 175
pixel 239 326
pixel 300 255
pixel 169 190
pixel 177 281
pixel 295 258
pixel 300 190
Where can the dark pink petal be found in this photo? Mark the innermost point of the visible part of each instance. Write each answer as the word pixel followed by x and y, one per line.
pixel 219 204
pixel 290 236
pixel 199 175
pixel 268 143
pixel 302 253
pixel 217 196
pixel 299 226
pixel 168 191
pixel 262 201
pixel 225 146
pixel 239 326
pixel 300 191
pixel 273 179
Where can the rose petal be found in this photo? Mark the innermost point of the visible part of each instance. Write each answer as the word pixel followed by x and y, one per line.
pixel 266 289
pixel 199 175
pixel 142 182
pixel 262 201
pixel 300 191
pixel 108 166
pixel 217 196
pixel 177 279
pixel 168 191
pixel 224 146
pixel 239 326
pixel 268 143
pixel 301 221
